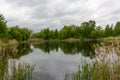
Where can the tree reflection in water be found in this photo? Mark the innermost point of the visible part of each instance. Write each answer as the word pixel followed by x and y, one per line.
pixel 85 48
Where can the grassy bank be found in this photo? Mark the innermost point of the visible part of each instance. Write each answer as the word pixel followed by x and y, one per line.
pixel 39 40
pixel 73 39
pixel 8 42
pixel 111 38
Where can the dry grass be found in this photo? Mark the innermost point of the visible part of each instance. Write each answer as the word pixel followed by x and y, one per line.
pixel 111 38
pixel 13 41
pixel 71 40
pixel 1 42
pixel 9 42
pixel 96 71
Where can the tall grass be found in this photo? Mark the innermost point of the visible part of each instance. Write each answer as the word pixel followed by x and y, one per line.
pixel 19 72
pixel 96 71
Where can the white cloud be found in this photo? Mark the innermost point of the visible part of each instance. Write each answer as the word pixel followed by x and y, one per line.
pixel 37 14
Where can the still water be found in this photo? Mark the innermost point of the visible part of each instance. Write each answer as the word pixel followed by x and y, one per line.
pixel 53 60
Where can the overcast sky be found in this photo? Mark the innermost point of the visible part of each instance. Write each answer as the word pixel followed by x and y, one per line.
pixel 39 14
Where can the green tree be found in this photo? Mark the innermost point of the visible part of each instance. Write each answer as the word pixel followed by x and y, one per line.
pixel 3 27
pixel 27 33
pixel 20 34
pixel 56 34
pixel 108 31
pixel 44 33
pixel 97 34
pixel 66 32
pixel 87 28
pixel 15 33
pixel 36 35
pixel 117 29
pixel 78 32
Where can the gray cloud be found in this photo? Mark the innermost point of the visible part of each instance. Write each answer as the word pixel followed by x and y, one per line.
pixel 38 14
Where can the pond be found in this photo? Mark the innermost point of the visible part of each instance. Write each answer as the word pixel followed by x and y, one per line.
pixel 53 60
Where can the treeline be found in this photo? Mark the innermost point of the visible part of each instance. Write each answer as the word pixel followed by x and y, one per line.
pixel 87 30
pixel 15 32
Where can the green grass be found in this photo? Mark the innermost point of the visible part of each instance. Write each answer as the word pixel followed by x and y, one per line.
pixel 20 72
pixel 96 71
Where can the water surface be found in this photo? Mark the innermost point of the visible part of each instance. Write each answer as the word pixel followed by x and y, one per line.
pixel 53 60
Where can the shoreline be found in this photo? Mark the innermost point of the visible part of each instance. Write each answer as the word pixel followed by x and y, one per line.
pixel 35 40
pixel 8 42
pixel 38 40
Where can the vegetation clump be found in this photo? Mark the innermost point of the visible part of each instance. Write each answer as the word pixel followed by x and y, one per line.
pixel 20 72
pixel 96 71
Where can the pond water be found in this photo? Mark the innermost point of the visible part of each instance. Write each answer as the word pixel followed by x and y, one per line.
pixel 53 60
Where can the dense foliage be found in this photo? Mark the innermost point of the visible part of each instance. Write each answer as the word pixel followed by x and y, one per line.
pixel 87 30
pixel 3 27
pixel 14 32
pixel 19 33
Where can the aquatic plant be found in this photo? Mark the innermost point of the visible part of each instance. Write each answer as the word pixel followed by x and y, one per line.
pixel 96 71
pixel 19 72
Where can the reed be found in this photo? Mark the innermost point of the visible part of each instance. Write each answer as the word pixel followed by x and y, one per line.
pixel 96 71
pixel 19 72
